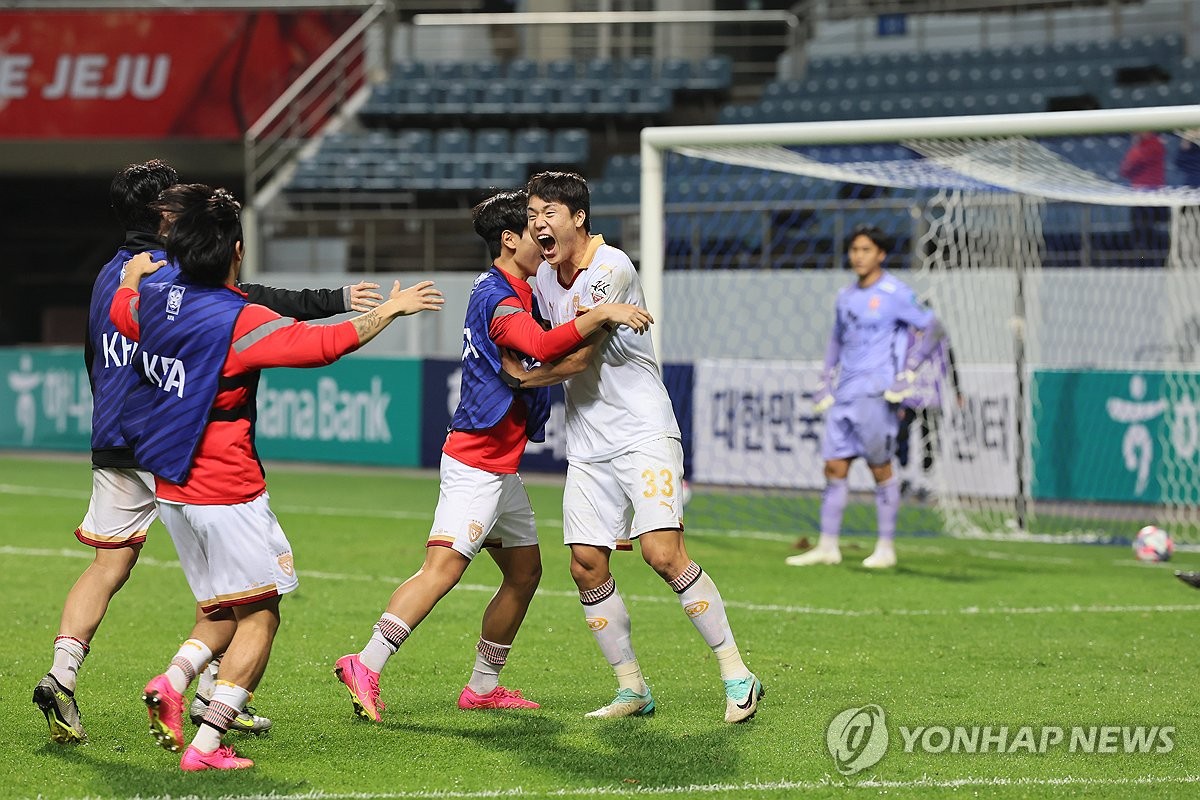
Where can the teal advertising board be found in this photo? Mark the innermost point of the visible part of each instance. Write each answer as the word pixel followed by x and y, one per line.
pixel 358 410
pixel 45 399
pixel 1129 437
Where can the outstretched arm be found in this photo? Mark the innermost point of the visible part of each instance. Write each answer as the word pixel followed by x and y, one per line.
pixel 309 304
pixel 400 303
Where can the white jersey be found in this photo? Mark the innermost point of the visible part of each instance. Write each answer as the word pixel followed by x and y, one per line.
pixel 619 401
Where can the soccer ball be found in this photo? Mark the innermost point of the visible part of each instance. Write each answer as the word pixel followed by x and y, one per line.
pixel 1153 544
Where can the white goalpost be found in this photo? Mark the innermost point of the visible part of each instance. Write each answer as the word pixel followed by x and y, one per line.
pixel 1069 402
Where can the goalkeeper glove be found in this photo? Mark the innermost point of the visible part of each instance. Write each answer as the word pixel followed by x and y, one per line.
pixel 822 398
pixel 902 387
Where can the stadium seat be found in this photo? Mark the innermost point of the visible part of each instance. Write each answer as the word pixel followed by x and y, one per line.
pixel 444 71
pixel 426 174
pixel 495 100
pixel 714 73
pixel 485 73
pixel 507 173
pixel 493 143
pixel 531 145
pixel 463 173
pixel 534 98
pixel 522 70
pixel 562 70
pixel 408 71
pixel 415 100
pixel 637 69
pixel 651 100
pixel 570 146
pixel 674 73
pixel 573 99
pixel 600 70
pixel 416 142
pixel 456 98
pixel 452 141
pixel 612 100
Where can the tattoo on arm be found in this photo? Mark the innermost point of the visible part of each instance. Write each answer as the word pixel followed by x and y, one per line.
pixel 368 324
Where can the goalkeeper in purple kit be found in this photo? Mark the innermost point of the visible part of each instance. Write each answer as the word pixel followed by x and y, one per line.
pixel 869 369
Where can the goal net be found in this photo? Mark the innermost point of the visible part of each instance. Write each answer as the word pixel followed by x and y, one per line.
pixel 1066 404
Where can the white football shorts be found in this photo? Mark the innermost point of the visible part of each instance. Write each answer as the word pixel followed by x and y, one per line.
pixel 231 554
pixel 608 503
pixel 478 509
pixel 120 510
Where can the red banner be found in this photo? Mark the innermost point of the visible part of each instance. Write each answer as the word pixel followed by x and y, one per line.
pixel 117 75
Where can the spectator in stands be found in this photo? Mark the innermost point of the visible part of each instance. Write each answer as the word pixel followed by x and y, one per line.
pixel 1188 160
pixel 1144 166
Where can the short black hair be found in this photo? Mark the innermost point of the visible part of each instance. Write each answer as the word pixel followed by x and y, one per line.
pixel 135 188
pixel 877 237
pixel 568 188
pixel 203 239
pixel 504 211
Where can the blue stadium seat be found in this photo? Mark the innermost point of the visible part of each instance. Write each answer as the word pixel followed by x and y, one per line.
pixel 522 70
pixel 651 100
pixel 612 100
pixel 714 73
pixel 600 70
pixel 534 98
pixel 452 142
pixel 416 142
pixel 531 144
pixel 464 173
pixel 573 99
pixel 570 146
pixel 456 98
pixel 674 73
pixel 485 73
pixel 450 71
pixel 493 143
pixel 638 69
pixel 426 174
pixel 416 99
pixel 408 71
pixel 507 174
pixel 562 70
pixel 621 165
pixel 495 100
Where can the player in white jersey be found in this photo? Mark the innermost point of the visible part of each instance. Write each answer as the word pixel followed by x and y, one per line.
pixel 625 459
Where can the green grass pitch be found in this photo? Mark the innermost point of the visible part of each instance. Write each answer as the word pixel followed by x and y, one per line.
pixel 960 634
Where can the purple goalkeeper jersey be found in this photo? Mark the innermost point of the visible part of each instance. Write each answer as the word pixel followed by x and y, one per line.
pixel 871 328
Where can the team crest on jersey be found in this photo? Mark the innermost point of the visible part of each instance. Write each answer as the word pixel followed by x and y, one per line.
pixel 599 289
pixel 287 564
pixel 174 299
pixel 874 302
pixel 597 623
pixel 475 530
pixel 696 609
pixel 575 305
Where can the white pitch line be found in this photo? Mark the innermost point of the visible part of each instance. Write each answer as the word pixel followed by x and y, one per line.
pixel 872 784
pixel 771 608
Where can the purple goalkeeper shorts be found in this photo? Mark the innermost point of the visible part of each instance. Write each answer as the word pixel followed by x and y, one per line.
pixel 866 427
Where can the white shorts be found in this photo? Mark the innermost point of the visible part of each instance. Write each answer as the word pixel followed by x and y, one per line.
pixel 233 554
pixel 121 509
pixel 478 509
pixel 608 503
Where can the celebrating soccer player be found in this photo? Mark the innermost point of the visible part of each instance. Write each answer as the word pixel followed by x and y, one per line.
pixel 190 422
pixel 483 502
pixel 122 503
pixel 624 456
pixel 875 370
